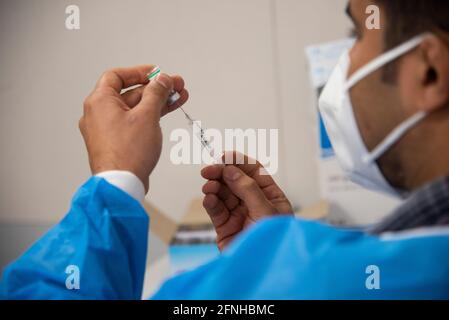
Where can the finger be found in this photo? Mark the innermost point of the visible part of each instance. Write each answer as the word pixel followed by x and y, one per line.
pixel 250 167
pixel 229 199
pixel 178 83
pixel 278 199
pixel 211 186
pixel 216 210
pixel 247 189
pixel 247 164
pixel 213 172
pixel 105 99
pixel 223 192
pixel 226 225
pixel 122 78
pixel 178 86
pixel 155 96
pixel 133 97
pixel 256 171
pixel 184 96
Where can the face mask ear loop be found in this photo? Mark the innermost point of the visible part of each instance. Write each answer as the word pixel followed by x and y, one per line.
pixel 383 59
pixel 394 137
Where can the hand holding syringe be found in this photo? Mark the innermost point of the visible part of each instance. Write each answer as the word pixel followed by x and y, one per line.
pixel 174 96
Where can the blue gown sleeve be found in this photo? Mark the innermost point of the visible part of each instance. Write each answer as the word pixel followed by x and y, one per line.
pixel 288 258
pixel 104 236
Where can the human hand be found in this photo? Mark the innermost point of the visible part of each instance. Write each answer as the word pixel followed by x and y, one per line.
pixel 121 130
pixel 237 196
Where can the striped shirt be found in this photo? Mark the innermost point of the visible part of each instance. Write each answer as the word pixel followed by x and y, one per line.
pixel 427 207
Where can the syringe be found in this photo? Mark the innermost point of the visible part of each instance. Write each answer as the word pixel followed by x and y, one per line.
pixel 200 134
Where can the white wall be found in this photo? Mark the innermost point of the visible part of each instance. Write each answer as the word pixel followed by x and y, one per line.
pixel 243 61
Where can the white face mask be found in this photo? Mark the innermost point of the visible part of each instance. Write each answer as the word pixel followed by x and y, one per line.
pixel 336 109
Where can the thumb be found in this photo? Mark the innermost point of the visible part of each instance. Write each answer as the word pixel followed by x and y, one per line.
pixel 247 189
pixel 155 95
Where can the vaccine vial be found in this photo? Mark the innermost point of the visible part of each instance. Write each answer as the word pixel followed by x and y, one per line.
pixel 174 96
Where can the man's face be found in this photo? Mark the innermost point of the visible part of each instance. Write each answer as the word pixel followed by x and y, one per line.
pixel 376 103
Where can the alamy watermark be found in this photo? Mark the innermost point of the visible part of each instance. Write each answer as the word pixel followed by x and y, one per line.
pixel 72 20
pixel 372 22
pixel 259 144
pixel 372 282
pixel 72 282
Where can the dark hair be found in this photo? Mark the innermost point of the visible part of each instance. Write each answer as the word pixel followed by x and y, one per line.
pixel 408 18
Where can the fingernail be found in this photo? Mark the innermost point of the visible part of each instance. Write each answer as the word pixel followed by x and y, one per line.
pixel 232 173
pixel 164 80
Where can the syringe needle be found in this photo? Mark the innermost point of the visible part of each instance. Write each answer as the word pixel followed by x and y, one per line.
pixel 201 136
pixel 187 115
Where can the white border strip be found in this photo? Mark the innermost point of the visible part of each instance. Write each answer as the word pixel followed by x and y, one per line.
pixel 415 233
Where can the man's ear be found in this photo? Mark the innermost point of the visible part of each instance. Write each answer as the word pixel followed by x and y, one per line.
pixel 423 76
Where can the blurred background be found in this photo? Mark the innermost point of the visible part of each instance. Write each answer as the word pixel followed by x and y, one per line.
pixel 244 64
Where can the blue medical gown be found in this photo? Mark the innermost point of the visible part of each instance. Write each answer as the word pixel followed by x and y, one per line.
pixel 105 236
